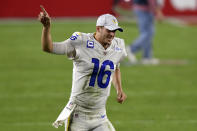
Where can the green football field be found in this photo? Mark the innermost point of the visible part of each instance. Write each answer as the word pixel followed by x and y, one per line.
pixel 35 86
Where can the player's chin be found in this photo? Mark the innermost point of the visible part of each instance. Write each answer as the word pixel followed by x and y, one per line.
pixel 109 41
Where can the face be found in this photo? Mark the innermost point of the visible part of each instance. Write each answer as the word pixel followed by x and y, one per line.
pixel 106 36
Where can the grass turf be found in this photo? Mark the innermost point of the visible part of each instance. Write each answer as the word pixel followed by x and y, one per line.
pixel 35 86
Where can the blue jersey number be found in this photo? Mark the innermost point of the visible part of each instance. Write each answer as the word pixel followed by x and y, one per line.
pixel 101 73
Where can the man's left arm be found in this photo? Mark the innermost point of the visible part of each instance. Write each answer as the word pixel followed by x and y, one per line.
pixel 121 96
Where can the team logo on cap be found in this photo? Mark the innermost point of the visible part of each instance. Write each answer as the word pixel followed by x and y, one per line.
pixel 90 44
pixel 114 21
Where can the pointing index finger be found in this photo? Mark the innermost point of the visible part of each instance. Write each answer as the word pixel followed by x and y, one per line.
pixel 44 11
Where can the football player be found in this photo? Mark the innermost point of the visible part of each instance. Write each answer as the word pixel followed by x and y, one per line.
pixel 96 63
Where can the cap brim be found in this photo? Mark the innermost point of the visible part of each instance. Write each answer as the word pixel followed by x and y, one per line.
pixel 114 28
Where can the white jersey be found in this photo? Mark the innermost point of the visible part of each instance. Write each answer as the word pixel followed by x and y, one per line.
pixel 93 67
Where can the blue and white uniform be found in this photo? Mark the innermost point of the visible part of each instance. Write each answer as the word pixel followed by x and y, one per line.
pixel 93 68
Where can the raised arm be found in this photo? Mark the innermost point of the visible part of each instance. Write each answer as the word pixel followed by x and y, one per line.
pixel 121 96
pixel 46 40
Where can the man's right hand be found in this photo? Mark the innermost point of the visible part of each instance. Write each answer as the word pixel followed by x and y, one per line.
pixel 44 17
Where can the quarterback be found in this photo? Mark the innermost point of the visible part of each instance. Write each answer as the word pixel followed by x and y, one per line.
pixel 96 64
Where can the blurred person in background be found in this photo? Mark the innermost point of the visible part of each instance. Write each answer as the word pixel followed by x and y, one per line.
pixel 96 63
pixel 146 11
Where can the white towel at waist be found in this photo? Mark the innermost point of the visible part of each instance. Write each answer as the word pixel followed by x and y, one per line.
pixel 64 115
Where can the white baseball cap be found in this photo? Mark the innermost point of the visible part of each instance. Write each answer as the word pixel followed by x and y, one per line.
pixel 108 21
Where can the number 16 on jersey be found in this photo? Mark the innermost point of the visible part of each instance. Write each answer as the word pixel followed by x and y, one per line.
pixel 100 73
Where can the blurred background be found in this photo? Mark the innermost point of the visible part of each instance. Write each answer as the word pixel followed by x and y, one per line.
pixel 67 8
pixel 35 86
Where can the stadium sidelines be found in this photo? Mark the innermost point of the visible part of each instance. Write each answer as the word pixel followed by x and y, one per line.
pixel 176 21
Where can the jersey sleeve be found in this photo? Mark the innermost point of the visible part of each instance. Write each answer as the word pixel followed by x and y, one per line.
pixel 67 47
